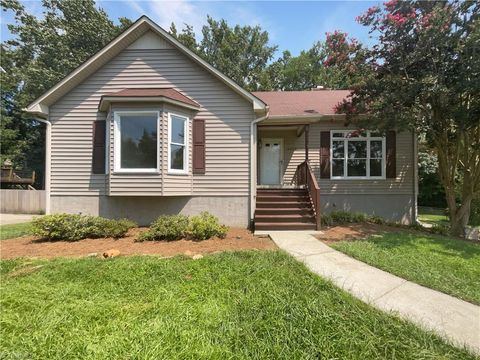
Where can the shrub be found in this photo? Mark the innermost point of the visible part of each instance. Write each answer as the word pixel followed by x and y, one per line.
pixel 166 227
pixel 72 227
pixel 345 217
pixel 205 226
pixel 175 227
pixel 326 220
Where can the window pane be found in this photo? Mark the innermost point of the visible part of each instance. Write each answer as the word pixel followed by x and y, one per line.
pixel 337 167
pixel 176 157
pixel 357 149
pixel 376 149
pixel 338 134
pixel 178 130
pixel 357 167
pixel 138 142
pixel 356 134
pixel 376 167
pixel 338 149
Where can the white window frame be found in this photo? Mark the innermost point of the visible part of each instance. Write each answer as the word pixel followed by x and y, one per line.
pixel 117 142
pixel 185 170
pixel 366 138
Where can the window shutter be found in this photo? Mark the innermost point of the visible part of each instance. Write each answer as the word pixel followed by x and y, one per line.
pixel 325 155
pixel 198 146
pixel 391 155
pixel 99 147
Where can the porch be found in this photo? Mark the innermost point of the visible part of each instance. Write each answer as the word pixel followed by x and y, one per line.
pixel 288 194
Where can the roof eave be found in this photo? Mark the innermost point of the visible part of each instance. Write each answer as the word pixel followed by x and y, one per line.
pixel 105 101
pixel 258 104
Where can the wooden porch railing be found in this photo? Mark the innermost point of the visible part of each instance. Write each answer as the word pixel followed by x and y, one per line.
pixel 304 176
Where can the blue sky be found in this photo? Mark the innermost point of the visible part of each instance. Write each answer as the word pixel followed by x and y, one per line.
pixel 292 25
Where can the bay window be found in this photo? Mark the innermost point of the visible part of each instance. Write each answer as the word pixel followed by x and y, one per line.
pixel 136 141
pixel 177 144
pixel 357 154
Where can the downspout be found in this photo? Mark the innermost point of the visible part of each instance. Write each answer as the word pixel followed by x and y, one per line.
pixel 48 141
pixel 253 163
pixel 415 177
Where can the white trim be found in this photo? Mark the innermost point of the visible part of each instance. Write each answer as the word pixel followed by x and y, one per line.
pixel 48 163
pixel 186 139
pixel 345 140
pixel 39 106
pixel 107 100
pixel 117 144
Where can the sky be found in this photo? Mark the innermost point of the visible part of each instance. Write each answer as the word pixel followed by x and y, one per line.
pixel 292 25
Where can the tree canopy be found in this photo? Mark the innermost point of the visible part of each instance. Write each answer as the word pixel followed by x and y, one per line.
pixel 427 79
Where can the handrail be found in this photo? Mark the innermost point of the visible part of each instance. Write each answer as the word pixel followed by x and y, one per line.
pixel 304 176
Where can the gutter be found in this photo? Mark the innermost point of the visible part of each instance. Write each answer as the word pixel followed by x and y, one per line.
pixel 48 143
pixel 253 162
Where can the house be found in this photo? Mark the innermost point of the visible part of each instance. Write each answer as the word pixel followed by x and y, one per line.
pixel 146 127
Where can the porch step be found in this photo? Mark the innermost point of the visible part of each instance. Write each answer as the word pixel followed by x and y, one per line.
pixel 285 226
pixel 288 218
pixel 284 209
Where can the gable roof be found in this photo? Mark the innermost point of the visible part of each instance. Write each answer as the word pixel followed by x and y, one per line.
pixel 136 30
pixel 302 103
pixel 148 94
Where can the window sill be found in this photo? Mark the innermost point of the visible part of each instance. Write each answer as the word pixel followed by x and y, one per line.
pixel 358 178
pixel 140 172
pixel 179 173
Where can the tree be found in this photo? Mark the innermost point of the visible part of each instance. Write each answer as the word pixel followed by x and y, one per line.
pixel 241 52
pixel 427 79
pixel 336 63
pixel 186 37
pixel 42 52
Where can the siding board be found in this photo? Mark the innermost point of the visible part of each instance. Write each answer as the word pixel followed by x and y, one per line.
pixel 226 114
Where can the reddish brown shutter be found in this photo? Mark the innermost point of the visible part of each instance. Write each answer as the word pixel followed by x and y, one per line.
pixel 98 154
pixel 325 155
pixel 198 146
pixel 391 156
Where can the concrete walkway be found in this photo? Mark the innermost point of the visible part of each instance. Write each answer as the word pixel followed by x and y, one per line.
pixel 450 317
pixel 6 219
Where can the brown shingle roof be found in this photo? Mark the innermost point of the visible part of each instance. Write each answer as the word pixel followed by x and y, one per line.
pixel 295 103
pixel 154 93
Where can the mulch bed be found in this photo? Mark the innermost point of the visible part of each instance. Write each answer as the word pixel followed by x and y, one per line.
pixel 30 246
pixel 354 232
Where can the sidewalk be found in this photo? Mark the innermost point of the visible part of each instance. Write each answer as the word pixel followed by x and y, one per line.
pixel 449 317
pixel 6 219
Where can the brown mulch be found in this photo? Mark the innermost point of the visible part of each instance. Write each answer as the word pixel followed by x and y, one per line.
pixel 30 246
pixel 353 232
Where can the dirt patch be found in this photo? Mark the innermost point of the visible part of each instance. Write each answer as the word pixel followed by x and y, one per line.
pixel 353 232
pixel 30 246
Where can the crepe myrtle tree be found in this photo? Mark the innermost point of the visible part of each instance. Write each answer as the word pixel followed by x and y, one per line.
pixel 427 79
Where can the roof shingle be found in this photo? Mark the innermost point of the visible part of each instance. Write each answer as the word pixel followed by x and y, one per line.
pixel 295 103
pixel 169 93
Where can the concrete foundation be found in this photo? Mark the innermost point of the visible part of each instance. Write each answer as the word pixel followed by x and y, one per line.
pixel 391 207
pixel 232 211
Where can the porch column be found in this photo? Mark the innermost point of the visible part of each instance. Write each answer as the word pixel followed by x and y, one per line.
pixel 307 128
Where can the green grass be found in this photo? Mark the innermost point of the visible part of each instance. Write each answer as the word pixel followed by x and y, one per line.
pixel 243 305
pixel 438 262
pixel 434 219
pixel 14 230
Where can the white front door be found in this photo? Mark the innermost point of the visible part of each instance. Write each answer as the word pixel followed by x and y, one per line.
pixel 270 161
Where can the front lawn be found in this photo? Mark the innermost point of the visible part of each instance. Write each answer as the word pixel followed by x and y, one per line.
pixel 434 219
pixel 238 305
pixel 438 262
pixel 14 230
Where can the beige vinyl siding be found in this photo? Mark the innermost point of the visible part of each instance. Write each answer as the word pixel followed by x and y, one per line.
pixel 228 117
pixel 294 154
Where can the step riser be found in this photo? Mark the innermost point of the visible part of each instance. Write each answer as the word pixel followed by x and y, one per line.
pixel 273 219
pixel 285 227
pixel 279 193
pixel 280 199
pixel 292 205
pixel 276 211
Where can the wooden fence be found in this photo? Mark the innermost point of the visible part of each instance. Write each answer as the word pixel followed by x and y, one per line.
pixel 22 201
